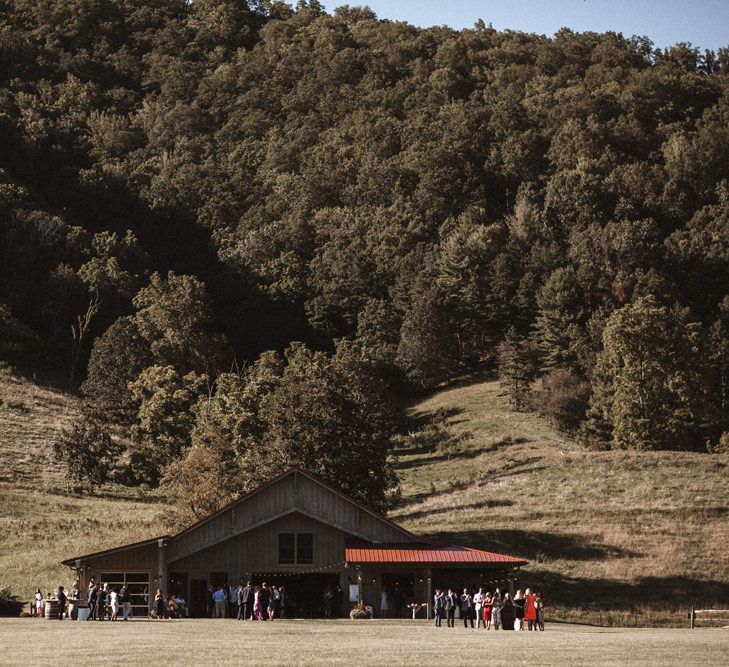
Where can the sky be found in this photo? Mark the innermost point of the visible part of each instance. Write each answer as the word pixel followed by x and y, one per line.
pixel 703 23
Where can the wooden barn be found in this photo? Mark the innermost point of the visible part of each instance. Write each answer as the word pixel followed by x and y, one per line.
pixel 300 532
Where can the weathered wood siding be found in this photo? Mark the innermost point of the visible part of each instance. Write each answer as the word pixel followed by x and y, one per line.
pixel 294 492
pixel 257 551
pixel 136 559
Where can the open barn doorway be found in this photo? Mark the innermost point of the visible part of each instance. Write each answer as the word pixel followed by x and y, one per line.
pixel 305 593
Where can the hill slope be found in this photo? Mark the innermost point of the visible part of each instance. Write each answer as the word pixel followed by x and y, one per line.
pixel 612 537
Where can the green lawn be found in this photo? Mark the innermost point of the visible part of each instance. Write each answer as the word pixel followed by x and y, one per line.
pixel 345 642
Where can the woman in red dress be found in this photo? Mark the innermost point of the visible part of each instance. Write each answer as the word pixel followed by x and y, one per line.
pixel 530 614
pixel 486 609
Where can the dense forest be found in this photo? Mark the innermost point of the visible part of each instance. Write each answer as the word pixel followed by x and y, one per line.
pixel 246 231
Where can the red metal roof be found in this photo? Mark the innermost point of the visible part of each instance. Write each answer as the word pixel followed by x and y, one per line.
pixel 425 553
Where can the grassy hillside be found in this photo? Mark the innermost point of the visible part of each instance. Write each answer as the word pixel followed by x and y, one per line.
pixel 41 525
pixel 612 537
pixel 31 417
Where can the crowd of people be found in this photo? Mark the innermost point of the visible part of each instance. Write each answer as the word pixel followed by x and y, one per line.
pixel 105 601
pixel 247 602
pixel 525 611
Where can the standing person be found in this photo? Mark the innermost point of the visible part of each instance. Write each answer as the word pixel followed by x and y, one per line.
pixel 113 603
pixel 530 614
pixel 282 601
pixel 273 603
pixel 211 602
pixel 539 600
pixel 496 605
pixel 220 598
pixel 438 606
pixel 100 605
pixel 159 604
pixel 451 602
pixel 239 601
pixel 125 598
pixel 244 596
pixel 62 600
pixel 232 592
pixel 384 606
pixel 93 591
pixel 507 613
pixel 257 604
pixel 38 604
pixel 519 608
pixel 467 608
pixel 328 601
pixel 486 613
pixel 478 599
pixel 265 597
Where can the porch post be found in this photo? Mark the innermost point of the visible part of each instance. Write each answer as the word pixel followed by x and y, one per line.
pixel 429 589
pixel 162 566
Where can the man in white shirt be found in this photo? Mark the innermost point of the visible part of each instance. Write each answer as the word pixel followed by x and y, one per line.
pixel 478 599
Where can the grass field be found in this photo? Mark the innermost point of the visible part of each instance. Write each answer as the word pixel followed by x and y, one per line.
pixel 345 642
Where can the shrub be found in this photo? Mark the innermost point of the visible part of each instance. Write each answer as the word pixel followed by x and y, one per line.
pixel 563 398
pixel 9 603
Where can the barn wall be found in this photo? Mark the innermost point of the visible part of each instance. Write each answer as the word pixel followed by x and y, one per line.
pixel 293 492
pixel 136 559
pixel 257 551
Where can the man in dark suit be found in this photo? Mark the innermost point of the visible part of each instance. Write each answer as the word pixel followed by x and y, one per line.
pixel 467 608
pixel 451 602
pixel 93 590
pixel 245 602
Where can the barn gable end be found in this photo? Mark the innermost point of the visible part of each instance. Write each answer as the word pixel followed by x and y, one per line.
pixel 296 491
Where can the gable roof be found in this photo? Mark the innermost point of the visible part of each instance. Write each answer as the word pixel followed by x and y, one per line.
pixel 310 475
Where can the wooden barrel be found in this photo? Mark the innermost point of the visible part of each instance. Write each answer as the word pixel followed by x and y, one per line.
pixel 52 609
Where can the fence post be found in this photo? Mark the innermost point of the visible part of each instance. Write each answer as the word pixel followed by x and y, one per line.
pixel 692 616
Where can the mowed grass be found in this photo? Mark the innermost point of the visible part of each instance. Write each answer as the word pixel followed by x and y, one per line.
pixel 616 538
pixel 345 642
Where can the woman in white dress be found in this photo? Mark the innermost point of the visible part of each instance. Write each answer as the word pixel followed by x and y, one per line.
pixel 384 606
pixel 113 603
pixel 39 603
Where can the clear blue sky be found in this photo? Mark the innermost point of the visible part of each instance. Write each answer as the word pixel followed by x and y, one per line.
pixel 704 23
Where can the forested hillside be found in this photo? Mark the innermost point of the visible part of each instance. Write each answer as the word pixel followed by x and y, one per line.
pixel 244 232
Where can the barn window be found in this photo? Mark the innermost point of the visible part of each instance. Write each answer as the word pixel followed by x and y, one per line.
pixel 304 548
pixel 295 548
pixel 286 549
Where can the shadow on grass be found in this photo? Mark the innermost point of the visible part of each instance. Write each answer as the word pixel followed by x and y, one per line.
pixel 666 593
pixel 533 545
pixel 486 504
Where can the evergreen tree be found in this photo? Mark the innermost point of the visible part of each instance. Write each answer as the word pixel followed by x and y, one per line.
pixel 652 359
